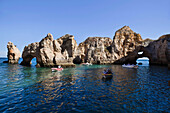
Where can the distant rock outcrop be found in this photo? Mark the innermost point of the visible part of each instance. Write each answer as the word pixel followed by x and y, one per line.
pixel 48 52
pixel 94 50
pixel 13 53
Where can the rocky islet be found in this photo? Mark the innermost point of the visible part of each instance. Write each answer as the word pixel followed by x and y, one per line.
pixel 13 53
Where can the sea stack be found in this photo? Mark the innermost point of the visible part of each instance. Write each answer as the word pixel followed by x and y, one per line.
pixel 13 53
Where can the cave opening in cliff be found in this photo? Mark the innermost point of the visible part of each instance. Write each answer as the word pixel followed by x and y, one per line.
pixel 144 61
pixel 33 61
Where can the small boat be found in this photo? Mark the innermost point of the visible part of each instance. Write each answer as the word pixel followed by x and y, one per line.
pixel 87 64
pixel 129 66
pixel 107 76
pixel 56 69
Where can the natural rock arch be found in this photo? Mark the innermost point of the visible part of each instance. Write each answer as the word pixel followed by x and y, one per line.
pixel 143 61
pixel 47 52
pixel 29 53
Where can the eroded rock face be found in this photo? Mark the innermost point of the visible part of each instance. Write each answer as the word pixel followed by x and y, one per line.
pixel 29 53
pixel 13 53
pixel 127 44
pixel 45 52
pixel 93 50
pixel 67 43
pixel 146 42
pixel 48 52
pixel 98 50
pixel 158 51
pixel 124 42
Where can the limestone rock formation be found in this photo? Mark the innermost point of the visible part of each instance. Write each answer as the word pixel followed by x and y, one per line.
pixel 93 50
pixel 29 53
pixel 68 45
pixel 127 44
pixel 13 53
pixel 47 52
pixel 146 42
pixel 98 50
pixel 158 51
pixel 124 42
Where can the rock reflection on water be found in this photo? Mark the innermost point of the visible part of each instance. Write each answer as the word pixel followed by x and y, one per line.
pixel 81 89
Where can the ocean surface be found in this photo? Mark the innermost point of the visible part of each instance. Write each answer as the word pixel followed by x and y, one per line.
pixel 82 89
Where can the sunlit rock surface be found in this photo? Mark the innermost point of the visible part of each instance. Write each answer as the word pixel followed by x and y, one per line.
pixel 94 50
pixel 67 43
pixel 48 52
pixel 124 42
pixel 98 50
pixel 13 53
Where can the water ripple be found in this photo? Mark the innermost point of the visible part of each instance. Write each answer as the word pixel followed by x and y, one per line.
pixel 81 89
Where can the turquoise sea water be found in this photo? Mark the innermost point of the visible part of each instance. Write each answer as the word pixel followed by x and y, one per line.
pixel 81 89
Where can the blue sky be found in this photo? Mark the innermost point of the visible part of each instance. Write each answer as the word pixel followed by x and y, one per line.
pixel 25 21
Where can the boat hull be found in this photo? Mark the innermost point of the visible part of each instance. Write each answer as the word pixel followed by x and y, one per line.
pixel 107 76
pixel 56 69
pixel 130 66
pixel 86 64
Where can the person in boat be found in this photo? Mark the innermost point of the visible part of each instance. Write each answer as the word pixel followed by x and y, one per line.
pixel 109 71
pixel 104 72
pixel 59 66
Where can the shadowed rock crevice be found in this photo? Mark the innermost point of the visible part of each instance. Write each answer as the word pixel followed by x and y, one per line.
pixel 77 60
pixel 67 43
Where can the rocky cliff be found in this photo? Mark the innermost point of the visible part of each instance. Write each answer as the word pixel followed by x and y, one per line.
pixel 158 51
pixel 127 44
pixel 68 45
pixel 125 41
pixel 29 53
pixel 13 53
pixel 94 50
pixel 98 50
pixel 48 52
